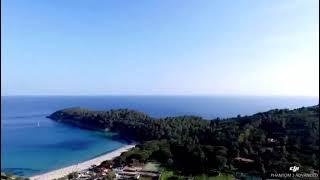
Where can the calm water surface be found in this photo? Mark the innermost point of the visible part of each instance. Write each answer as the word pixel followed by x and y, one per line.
pixel 32 144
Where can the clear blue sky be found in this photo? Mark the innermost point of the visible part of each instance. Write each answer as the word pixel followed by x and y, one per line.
pixel 185 47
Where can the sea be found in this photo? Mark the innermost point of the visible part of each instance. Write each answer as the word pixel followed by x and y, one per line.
pixel 33 144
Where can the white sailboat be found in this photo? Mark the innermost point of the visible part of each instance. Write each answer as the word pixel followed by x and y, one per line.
pixel 38 124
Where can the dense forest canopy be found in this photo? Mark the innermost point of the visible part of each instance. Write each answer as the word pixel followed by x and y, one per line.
pixel 268 142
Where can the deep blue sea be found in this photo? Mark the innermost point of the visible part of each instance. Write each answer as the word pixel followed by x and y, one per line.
pixel 32 144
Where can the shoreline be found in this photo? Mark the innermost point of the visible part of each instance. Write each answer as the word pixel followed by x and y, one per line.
pixel 82 165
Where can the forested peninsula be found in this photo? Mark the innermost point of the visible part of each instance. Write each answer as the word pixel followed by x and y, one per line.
pixel 260 144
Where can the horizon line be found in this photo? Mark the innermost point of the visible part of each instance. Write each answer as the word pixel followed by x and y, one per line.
pixel 243 95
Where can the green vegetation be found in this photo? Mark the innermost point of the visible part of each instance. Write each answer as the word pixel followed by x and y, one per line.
pixel 6 176
pixel 150 166
pixel 110 176
pixel 73 175
pixel 219 177
pixel 264 143
pixel 166 175
pixel 145 178
pixel 169 174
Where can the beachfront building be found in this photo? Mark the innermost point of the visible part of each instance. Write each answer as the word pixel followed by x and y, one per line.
pixel 137 172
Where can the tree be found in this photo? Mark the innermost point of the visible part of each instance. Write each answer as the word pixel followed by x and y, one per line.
pixel 73 175
pixel 221 162
pixel 110 176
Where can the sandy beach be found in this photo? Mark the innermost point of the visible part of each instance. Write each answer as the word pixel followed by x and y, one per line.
pixel 81 166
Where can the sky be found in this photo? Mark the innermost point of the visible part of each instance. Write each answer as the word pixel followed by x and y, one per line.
pixel 153 47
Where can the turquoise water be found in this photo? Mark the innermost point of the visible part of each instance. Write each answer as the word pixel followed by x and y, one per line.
pixel 28 149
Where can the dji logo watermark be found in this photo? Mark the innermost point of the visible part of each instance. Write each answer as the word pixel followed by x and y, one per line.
pixel 294 168
pixel 294 174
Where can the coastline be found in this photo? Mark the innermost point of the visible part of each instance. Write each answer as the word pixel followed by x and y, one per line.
pixel 81 166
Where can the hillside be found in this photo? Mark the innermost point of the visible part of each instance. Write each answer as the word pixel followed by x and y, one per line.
pixel 264 143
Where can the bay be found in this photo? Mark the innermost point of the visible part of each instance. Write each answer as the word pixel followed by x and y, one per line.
pixel 32 144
